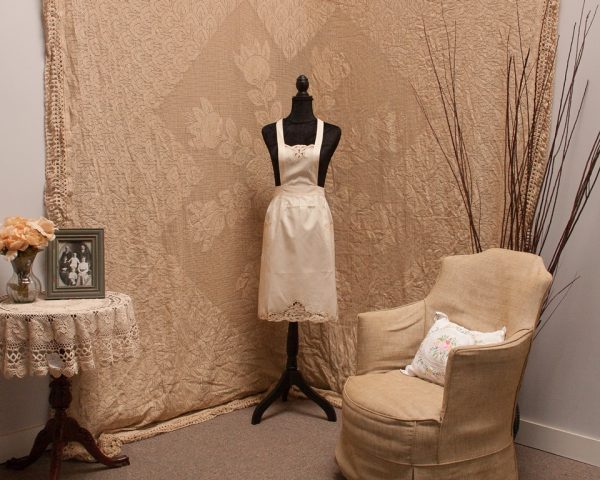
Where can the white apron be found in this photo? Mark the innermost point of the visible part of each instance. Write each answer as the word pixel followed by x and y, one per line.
pixel 297 272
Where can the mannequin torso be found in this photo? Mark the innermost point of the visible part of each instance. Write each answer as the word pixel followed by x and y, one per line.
pixel 303 134
pixel 300 128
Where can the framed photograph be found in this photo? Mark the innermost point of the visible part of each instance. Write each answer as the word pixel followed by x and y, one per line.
pixel 75 264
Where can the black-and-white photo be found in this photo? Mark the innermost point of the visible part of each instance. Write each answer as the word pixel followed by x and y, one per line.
pixel 75 264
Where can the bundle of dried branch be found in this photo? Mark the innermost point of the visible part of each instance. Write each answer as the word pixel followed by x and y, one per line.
pixel 529 213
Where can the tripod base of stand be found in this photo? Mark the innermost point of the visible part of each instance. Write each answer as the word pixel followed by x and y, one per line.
pixel 60 430
pixel 290 377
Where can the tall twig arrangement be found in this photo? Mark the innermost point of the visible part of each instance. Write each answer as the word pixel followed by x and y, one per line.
pixel 558 155
pixel 456 154
pixel 529 212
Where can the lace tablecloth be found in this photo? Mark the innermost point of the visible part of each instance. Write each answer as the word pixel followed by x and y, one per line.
pixel 66 336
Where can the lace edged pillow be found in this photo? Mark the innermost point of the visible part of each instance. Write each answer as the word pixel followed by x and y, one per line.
pixel 431 358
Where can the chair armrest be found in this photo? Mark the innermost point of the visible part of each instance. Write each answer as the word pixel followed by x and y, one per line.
pixel 388 339
pixel 480 394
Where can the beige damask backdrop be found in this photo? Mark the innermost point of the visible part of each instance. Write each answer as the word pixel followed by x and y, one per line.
pixel 154 112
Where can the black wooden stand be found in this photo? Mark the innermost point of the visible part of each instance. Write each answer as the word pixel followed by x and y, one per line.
pixel 292 376
pixel 60 430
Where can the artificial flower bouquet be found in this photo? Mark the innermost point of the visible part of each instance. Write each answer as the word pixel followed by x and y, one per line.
pixel 18 234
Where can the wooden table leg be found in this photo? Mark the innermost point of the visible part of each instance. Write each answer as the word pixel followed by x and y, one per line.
pixel 42 440
pixel 60 430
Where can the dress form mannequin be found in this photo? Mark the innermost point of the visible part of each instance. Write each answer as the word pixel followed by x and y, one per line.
pixel 300 128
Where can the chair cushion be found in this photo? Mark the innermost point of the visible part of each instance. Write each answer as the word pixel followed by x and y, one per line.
pixel 395 395
pixel 393 417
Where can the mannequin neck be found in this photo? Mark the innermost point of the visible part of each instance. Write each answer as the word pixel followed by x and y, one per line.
pixel 302 111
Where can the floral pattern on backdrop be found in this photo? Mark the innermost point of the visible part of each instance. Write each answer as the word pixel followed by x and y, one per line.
pixel 153 127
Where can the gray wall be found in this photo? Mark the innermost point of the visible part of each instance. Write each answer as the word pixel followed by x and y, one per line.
pixel 560 395
pixel 23 403
pixel 560 398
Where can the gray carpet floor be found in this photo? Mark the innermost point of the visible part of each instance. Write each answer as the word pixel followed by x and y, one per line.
pixel 293 442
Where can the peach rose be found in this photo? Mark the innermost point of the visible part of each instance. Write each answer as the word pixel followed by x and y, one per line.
pixel 43 226
pixel 20 233
pixel 16 243
pixel 33 238
pixel 14 221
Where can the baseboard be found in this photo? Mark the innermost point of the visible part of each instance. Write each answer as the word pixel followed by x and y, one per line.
pixel 18 444
pixel 560 442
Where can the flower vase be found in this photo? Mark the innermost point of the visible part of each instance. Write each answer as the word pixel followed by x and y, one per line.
pixel 23 286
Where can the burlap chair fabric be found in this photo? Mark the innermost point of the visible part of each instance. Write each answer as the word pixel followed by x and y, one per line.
pixel 399 427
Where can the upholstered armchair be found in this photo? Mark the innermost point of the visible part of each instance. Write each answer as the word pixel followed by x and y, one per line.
pixel 396 427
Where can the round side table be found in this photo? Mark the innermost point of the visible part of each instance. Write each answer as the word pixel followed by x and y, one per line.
pixel 63 338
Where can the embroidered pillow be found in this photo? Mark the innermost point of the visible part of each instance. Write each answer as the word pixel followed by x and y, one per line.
pixel 431 358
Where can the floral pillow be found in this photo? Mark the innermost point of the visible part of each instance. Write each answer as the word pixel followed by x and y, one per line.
pixel 431 358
